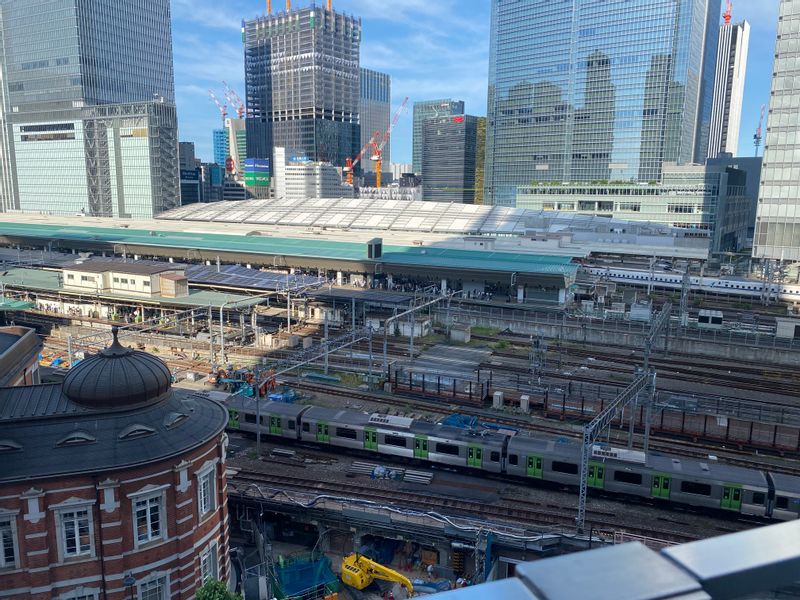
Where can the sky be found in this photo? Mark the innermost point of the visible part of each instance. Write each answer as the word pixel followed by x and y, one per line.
pixel 431 48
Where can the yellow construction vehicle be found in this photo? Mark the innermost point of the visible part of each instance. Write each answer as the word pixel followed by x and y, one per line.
pixel 359 572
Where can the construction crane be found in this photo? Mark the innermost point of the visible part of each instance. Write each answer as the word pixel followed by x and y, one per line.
pixel 759 132
pixel 728 12
pixel 234 100
pixel 377 157
pixel 359 572
pixel 350 163
pixel 223 108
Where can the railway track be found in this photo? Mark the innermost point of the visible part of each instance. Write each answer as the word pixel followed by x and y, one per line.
pixel 513 512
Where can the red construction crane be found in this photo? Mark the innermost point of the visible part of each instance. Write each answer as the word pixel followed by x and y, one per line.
pixel 728 12
pixel 378 156
pixel 234 100
pixel 351 163
pixel 759 132
pixel 223 108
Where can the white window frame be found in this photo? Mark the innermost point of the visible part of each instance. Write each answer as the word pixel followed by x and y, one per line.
pixel 147 499
pixel 12 531
pixel 161 579
pixel 206 506
pixel 209 564
pixel 62 531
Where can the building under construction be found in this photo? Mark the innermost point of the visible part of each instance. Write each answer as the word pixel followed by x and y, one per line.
pixel 302 76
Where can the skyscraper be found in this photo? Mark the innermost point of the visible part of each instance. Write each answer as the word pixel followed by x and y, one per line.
pixel 88 115
pixel 592 91
pixel 220 146
pixel 425 110
pixel 449 146
pixel 374 110
pixel 726 115
pixel 302 78
pixel 778 219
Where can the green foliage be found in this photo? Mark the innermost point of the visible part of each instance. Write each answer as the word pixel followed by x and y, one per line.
pixel 216 590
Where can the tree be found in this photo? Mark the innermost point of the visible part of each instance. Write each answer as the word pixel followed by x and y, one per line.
pixel 215 590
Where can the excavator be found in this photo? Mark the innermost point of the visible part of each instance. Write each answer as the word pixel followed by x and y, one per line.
pixel 359 572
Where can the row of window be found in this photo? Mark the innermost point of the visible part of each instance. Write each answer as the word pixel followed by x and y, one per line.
pixel 76 526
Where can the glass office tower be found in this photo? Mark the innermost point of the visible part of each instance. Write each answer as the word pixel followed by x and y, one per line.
pixel 429 109
pixel 592 91
pixel 89 122
pixel 778 219
pixel 375 100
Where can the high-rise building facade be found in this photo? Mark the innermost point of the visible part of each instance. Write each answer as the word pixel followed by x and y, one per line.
pixel 425 110
pixel 302 78
pixel 89 123
pixel 777 234
pixel 592 91
pixel 375 105
pixel 448 158
pixel 726 115
pixel 220 141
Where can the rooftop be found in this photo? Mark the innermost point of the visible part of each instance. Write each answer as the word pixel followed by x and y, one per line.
pixel 126 267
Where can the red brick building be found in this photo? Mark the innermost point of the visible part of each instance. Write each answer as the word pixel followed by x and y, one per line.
pixel 112 485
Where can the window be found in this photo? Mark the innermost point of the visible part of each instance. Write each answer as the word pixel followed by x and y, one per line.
pixel 291 423
pixel 628 477
pixel 343 432
pixel 208 564
pixel 513 459
pixel 153 590
pixel 147 519
pixel 306 427
pixel 146 283
pixel 70 277
pixel 690 487
pixel 8 556
pixel 759 498
pixel 205 492
pixel 249 418
pixel 494 457
pixel 564 467
pixel 394 440
pixel 781 502
pixel 116 279
pixel 124 281
pixel 76 533
pixel 443 448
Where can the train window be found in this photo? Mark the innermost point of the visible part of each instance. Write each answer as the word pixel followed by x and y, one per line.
pixel 350 434
pixel 291 423
pixel 565 467
pixel 513 459
pixel 628 477
pixel 248 418
pixel 443 448
pixel 306 427
pixel 394 440
pixel 494 457
pixel 781 502
pixel 690 487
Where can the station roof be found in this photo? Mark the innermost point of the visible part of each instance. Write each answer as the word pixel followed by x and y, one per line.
pixel 410 256
pixel 37 279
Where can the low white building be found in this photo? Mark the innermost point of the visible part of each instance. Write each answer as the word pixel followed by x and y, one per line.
pixel 301 179
pixel 129 278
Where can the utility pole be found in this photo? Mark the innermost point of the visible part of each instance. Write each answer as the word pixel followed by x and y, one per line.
pixel 685 288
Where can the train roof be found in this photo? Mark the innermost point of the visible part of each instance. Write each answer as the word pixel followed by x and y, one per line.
pixel 786 483
pixel 710 469
pixel 562 447
pixel 283 409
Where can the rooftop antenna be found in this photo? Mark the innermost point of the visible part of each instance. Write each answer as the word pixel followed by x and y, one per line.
pixel 728 11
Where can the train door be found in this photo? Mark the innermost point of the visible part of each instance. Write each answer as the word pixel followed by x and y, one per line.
pixel 534 466
pixel 370 439
pixel 596 477
pixel 731 497
pixel 275 425
pixel 475 456
pixel 421 447
pixel 322 433
pixel 660 486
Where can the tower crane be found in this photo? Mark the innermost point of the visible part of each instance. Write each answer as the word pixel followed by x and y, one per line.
pixel 377 157
pixel 234 100
pixel 223 108
pixel 350 163
pixel 759 132
pixel 728 12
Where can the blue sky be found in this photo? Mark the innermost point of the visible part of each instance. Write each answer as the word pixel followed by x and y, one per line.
pixel 431 48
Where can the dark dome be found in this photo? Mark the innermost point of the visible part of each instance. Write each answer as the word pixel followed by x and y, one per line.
pixel 117 377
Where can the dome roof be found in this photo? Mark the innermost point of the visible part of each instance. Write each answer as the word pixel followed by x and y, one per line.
pixel 116 378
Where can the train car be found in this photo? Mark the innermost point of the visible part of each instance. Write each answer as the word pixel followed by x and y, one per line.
pixel 709 484
pixel 786 502
pixel 550 460
pixel 477 449
pixel 710 319
pixel 277 418
pixel 339 427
